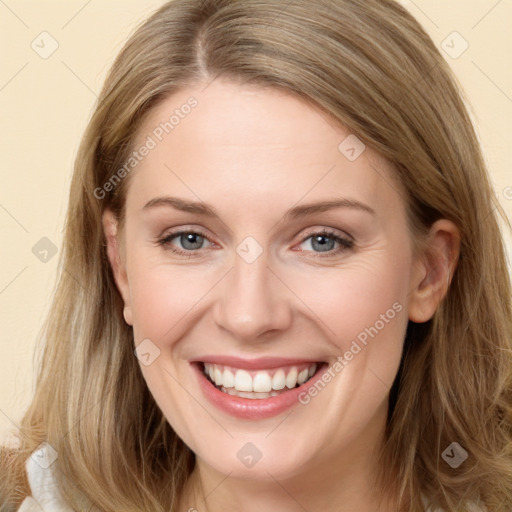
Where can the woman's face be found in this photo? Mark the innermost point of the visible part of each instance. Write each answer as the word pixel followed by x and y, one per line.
pixel 265 245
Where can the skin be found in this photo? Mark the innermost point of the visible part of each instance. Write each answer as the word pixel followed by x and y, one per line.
pixel 253 154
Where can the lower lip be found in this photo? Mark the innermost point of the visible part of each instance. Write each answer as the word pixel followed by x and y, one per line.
pixel 253 409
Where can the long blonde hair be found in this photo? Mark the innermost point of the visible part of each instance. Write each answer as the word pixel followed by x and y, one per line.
pixel 371 66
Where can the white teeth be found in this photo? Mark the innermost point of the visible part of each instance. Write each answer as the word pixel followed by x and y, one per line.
pixel 260 384
pixel 228 379
pixel 303 376
pixel 279 380
pixel 291 378
pixel 253 396
pixel 243 381
pixel 218 376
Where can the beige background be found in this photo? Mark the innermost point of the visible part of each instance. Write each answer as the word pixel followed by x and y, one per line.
pixel 45 104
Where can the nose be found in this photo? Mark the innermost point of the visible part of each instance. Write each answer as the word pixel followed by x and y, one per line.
pixel 253 301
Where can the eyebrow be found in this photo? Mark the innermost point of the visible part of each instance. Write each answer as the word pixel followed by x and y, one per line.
pixel 204 209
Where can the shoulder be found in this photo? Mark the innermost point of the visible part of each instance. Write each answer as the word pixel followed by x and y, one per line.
pixel 43 486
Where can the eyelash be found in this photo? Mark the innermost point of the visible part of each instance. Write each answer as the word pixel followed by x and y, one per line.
pixel 345 243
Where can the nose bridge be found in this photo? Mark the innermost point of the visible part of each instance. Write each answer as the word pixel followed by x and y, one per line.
pixel 253 300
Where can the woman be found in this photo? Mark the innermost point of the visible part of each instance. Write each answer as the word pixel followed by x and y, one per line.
pixel 284 285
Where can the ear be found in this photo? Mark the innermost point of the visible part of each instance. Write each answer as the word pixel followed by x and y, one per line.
pixel 435 268
pixel 115 257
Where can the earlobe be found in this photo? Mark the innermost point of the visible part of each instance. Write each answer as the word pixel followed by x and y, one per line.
pixel 110 228
pixel 435 271
pixel 127 313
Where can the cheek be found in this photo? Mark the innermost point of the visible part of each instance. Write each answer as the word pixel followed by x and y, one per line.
pixel 165 297
pixel 353 299
pixel 371 319
pixel 369 301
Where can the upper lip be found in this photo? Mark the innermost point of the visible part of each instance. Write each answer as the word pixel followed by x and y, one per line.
pixel 259 363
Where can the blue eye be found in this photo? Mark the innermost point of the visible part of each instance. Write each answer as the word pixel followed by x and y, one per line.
pixel 325 242
pixel 191 241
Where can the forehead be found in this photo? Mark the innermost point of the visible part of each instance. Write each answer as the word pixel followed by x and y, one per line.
pixel 261 145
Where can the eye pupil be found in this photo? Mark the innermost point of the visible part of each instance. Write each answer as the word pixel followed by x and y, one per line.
pixel 326 242
pixel 191 238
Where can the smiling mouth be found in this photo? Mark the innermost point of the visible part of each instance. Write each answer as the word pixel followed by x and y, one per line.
pixel 259 384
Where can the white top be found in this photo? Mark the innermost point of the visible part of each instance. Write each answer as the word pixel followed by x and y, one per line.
pixel 45 494
pixel 47 498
